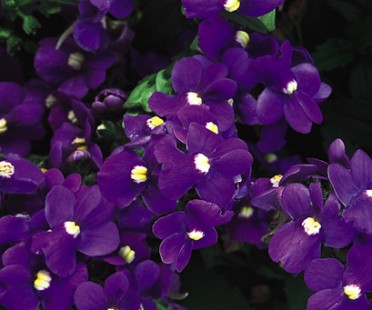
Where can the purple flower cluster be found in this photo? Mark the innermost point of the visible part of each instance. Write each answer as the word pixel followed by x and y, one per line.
pixel 152 188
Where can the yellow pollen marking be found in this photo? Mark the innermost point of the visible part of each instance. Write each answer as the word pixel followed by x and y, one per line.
pixel 139 174
pixel 242 38
pixel 212 127
pixel 195 234
pixel 246 212
pixel 194 99
pixel 72 117
pixel 75 61
pixel 290 88
pixel 154 122
pixel 230 101
pixel 127 254
pixel 50 101
pixel 80 144
pixel 3 125
pixel 311 226
pixel 202 163
pixel 42 281
pixel 270 158
pixel 112 308
pixel 72 228
pixel 276 179
pixel 6 169
pixel 352 291
pixel 231 5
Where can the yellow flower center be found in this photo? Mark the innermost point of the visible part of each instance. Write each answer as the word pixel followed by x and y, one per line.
pixel 154 122
pixel 276 179
pixel 202 163
pixel 42 281
pixel 311 226
pixel 352 291
pixel 139 174
pixel 75 61
pixel 246 212
pixel 72 228
pixel 194 99
pixel 195 234
pixel 242 38
pixel 127 254
pixel 231 5
pixel 290 88
pixel 3 125
pixel 212 127
pixel 80 144
pixel 6 169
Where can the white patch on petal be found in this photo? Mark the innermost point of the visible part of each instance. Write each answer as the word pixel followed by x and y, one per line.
pixel 72 228
pixel 242 38
pixel 246 212
pixel 290 88
pixel 42 281
pixel 194 99
pixel 195 234
pixel 368 193
pixel 3 125
pixel 352 291
pixel 202 163
pixel 231 5
pixel 139 174
pixel 50 101
pixel 276 179
pixel 72 117
pixel 212 127
pixel 311 226
pixel 6 169
pixel 127 254
pixel 76 61
pixel 270 158
pixel 154 122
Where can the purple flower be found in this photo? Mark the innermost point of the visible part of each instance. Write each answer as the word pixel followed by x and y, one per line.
pixel 291 92
pixel 124 176
pixel 74 70
pixel 31 284
pixel 79 223
pixel 298 242
pixel 188 230
pixel 335 284
pixel 199 82
pixel 210 164
pixel 211 8
pixel 18 175
pixel 353 186
pixel 117 293
pixel 20 116
pixel 109 101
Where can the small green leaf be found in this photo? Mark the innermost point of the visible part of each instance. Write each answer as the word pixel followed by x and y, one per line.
pixel 30 24
pixel 163 81
pixel 347 9
pixel 361 79
pixel 141 94
pixel 247 22
pixel 335 53
pixel 160 306
pixel 268 20
pixel 297 292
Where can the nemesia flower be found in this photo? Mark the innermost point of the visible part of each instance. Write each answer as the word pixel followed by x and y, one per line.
pixel 188 230
pixel 353 186
pixel 298 242
pixel 74 70
pixel 79 222
pixel 335 284
pixel 211 8
pixel 210 164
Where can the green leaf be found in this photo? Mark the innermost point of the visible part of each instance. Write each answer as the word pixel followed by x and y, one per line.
pixel 247 22
pixel 361 79
pixel 38 160
pixel 268 20
pixel 163 81
pixel 160 306
pixel 139 97
pixel 30 24
pixel 347 9
pixel 334 53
